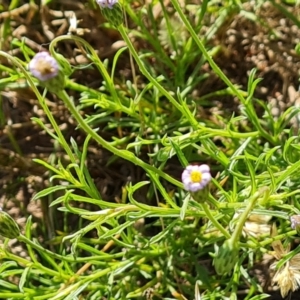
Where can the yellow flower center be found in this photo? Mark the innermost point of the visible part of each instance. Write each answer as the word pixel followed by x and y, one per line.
pixel 45 68
pixel 196 176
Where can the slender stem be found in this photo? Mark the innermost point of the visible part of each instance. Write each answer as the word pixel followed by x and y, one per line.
pixel 24 239
pixel 125 154
pixel 243 217
pixel 214 66
pixel 215 222
pixel 151 79
pixel 13 141
pixel 41 99
pixel 219 72
pixel 61 138
pixel 94 57
pixel 268 241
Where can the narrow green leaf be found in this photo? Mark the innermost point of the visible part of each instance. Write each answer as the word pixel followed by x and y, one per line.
pixel 50 190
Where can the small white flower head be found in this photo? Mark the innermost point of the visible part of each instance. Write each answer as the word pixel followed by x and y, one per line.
pixel 196 177
pixel 107 3
pixel 43 66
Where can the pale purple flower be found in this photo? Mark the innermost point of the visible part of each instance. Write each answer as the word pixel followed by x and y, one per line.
pixel 107 3
pixel 295 222
pixel 43 66
pixel 195 177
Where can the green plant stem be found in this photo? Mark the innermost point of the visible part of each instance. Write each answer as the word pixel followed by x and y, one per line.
pixel 215 222
pixel 267 241
pixel 125 154
pixel 214 66
pixel 220 73
pixel 97 274
pixel 24 239
pixel 243 217
pixel 94 57
pixel 42 102
pixel 12 295
pixel 145 72
pixel 37 247
pixel 13 141
pixel 61 139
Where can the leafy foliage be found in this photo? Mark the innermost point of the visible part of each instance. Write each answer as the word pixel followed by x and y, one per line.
pixel 157 242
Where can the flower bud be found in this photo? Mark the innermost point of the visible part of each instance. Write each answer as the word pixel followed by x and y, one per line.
pixel 226 257
pixel 8 226
pixel 200 196
pixel 56 84
pixel 112 11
